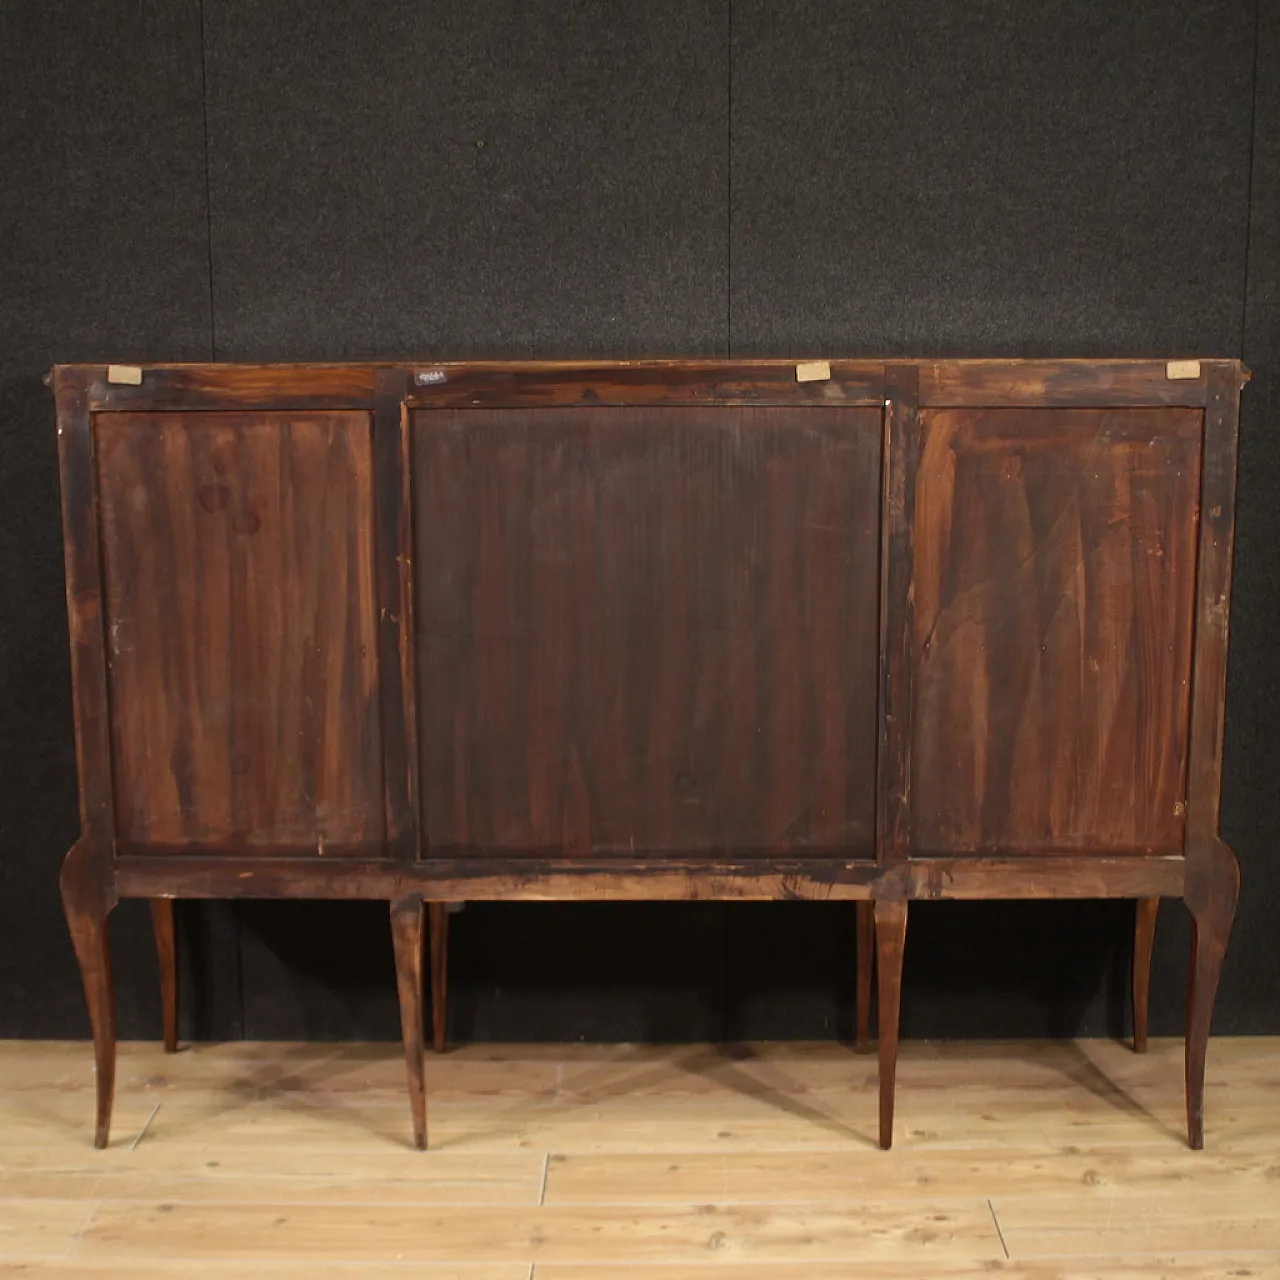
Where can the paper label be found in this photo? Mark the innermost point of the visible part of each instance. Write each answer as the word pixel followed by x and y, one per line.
pixel 128 375
pixel 1182 369
pixel 813 371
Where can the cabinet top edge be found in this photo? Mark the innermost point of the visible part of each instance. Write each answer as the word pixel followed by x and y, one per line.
pixel 937 382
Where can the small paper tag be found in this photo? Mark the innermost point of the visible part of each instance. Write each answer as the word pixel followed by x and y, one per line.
pixel 429 377
pixel 128 375
pixel 1182 369
pixel 813 371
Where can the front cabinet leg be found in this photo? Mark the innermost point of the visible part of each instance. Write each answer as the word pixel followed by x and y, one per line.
pixel 407 938
pixel 866 965
pixel 167 957
pixel 891 937
pixel 1211 899
pixel 1144 936
pixel 87 905
pixel 438 916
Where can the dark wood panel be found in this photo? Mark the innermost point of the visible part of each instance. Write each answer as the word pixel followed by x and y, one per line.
pixel 675 879
pixel 647 630
pixel 242 630
pixel 1054 559
pixel 1079 383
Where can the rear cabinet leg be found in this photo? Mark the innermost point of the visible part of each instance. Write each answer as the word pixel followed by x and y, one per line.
pixel 87 904
pixel 891 937
pixel 866 965
pixel 167 958
pixel 407 938
pixel 1144 936
pixel 1212 892
pixel 439 930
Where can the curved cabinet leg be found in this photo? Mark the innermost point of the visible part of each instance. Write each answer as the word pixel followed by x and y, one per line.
pixel 891 937
pixel 167 958
pixel 1211 899
pixel 438 917
pixel 406 937
pixel 866 966
pixel 87 905
pixel 1144 936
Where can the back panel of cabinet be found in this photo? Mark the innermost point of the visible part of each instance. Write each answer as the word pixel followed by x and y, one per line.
pixel 241 623
pixel 647 630
pixel 1054 574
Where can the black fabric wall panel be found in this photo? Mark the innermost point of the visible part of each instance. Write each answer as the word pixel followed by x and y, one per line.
pixel 576 180
pixel 495 179
pixel 1249 999
pixel 1068 178
pixel 103 255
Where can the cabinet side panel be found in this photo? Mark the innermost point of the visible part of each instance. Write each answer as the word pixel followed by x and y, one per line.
pixel 1054 605
pixel 242 630
pixel 647 630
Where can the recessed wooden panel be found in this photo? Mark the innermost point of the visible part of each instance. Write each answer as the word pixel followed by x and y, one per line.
pixel 241 625
pixel 1054 601
pixel 646 630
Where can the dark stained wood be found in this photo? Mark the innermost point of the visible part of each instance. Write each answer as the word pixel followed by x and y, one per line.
pixel 1144 936
pixel 1054 578
pixel 685 879
pixel 87 902
pixel 84 616
pixel 235 386
pixel 661 382
pixel 1212 616
pixel 645 631
pixel 866 926
pixel 1211 899
pixel 241 622
pixel 407 941
pixel 1079 383
pixel 438 927
pixel 891 939
pixel 394 555
pixel 167 962
pixel 901 454
pixel 649 619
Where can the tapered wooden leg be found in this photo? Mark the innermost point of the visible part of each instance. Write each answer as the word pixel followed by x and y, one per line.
pixel 438 917
pixel 1144 936
pixel 866 965
pixel 1211 898
pixel 167 957
pixel 87 907
pixel 406 936
pixel 891 937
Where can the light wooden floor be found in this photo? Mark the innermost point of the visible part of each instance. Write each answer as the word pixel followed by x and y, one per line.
pixel 568 1163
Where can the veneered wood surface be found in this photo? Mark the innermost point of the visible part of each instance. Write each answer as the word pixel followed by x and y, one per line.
pixel 241 629
pixel 647 630
pixel 1054 580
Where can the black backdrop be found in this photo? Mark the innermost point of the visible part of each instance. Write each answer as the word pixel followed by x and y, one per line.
pixel 243 179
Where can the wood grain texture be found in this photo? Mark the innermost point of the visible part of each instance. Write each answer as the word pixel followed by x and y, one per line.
pixel 1054 577
pixel 163 927
pixel 242 630
pixel 647 631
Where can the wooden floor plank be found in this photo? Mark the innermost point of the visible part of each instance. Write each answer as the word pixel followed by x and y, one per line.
pixel 955 1230
pixel 1173 1222
pixel 846 1177
pixel 663 1162
pixel 1226 1266
pixel 40 1228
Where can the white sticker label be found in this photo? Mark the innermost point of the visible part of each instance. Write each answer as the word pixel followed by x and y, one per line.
pixel 1182 369
pixel 128 375
pixel 813 371
pixel 429 377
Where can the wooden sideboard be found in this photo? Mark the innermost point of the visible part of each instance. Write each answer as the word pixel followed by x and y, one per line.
pixel 860 629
